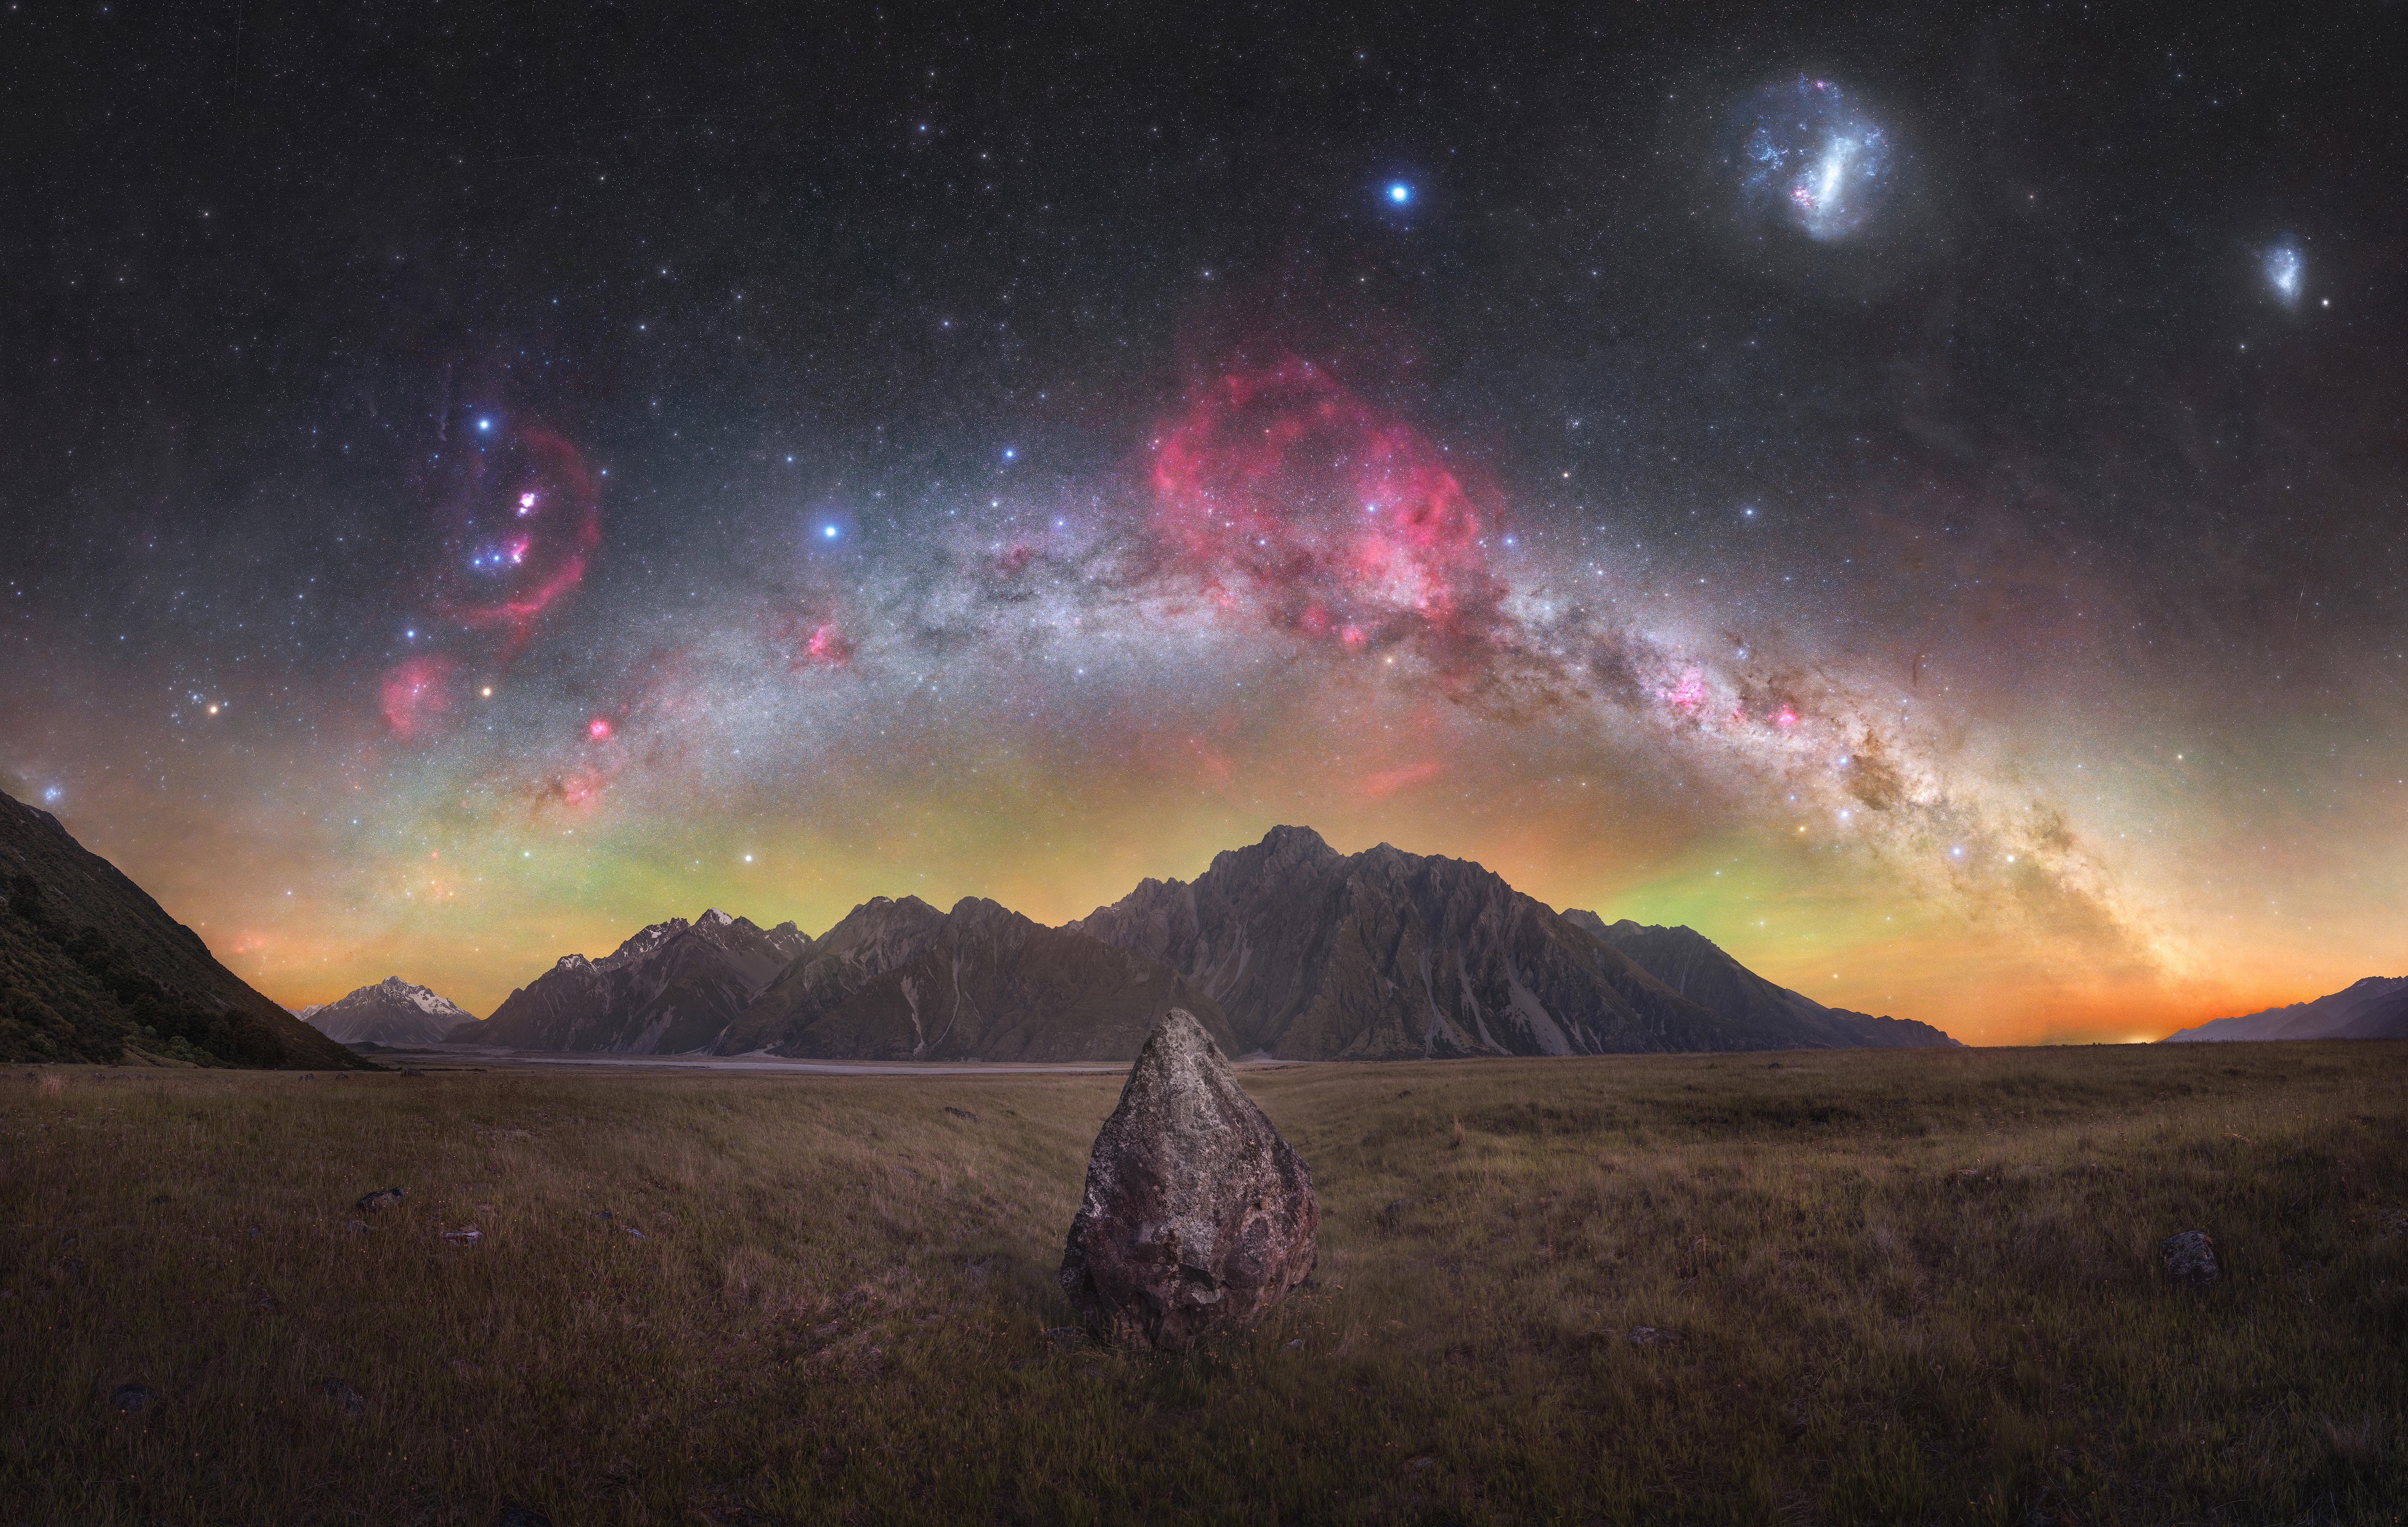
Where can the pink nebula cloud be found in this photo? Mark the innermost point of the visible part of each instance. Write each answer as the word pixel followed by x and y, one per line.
pixel 1344 520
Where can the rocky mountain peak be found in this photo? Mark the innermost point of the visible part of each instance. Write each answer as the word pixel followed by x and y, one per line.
pixel 1283 849
pixel 642 944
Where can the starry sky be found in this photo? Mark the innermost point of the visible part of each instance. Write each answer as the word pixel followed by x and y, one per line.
pixel 1913 493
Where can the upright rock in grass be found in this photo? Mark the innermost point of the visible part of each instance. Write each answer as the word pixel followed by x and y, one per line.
pixel 2190 1259
pixel 1198 1218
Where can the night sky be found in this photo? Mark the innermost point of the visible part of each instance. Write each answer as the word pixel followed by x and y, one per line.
pixel 1914 493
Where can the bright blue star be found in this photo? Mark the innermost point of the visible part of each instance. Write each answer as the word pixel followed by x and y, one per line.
pixel 485 423
pixel 828 531
pixel 1009 454
pixel 1399 193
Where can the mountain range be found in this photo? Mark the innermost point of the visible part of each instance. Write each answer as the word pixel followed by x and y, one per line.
pixel 673 987
pixel 1286 949
pixel 2374 1008
pixel 93 970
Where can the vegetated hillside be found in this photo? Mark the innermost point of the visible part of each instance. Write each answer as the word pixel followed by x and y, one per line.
pixel 671 989
pixel 1385 955
pixel 91 969
pixel 981 982
pixel 2374 1008
pixel 391 1012
pixel 1694 965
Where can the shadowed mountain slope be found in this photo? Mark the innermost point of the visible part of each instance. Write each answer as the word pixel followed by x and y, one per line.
pixel 1383 955
pixel 874 938
pixel 2374 1008
pixel 981 982
pixel 672 989
pixel 1695 966
pixel 93 969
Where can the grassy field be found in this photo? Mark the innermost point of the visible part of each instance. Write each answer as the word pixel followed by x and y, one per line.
pixel 1895 1286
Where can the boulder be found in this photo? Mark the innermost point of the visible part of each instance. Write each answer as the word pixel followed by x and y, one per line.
pixel 1197 1217
pixel 2190 1259
pixel 131 1397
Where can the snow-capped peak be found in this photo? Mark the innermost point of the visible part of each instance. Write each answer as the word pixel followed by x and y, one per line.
pixel 392 1011
pixel 714 915
pixel 394 989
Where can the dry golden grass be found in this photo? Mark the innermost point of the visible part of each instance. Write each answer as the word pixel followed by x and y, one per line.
pixel 1904 1287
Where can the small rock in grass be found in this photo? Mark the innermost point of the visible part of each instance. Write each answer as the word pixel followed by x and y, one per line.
pixel 634 1233
pixel 384 1198
pixel 1648 1336
pixel 357 1227
pixel 1420 1465
pixel 961 1113
pixel 348 1400
pixel 1392 1213
pixel 1296 1345
pixel 602 1214
pixel 521 1516
pixel 133 1398
pixel 2190 1259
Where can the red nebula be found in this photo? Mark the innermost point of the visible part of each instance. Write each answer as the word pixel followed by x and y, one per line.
pixel 1787 716
pixel 577 789
pixel 599 728
pixel 416 695
pixel 1214 767
pixel 1388 781
pixel 1348 522
pixel 1690 693
pixel 828 647
pixel 555 497
pixel 812 641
